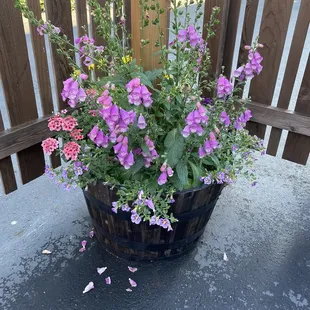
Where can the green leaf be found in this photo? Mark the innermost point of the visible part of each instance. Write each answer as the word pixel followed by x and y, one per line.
pixel 216 161
pixel 137 165
pixel 154 74
pixel 176 182
pixel 197 173
pixel 174 144
pixel 116 79
pixel 182 172
pixel 143 78
pixel 145 149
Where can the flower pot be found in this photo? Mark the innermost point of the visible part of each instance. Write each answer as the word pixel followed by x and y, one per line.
pixel 123 238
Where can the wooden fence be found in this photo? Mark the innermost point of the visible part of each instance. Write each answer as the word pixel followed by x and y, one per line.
pixel 28 130
pixel 273 33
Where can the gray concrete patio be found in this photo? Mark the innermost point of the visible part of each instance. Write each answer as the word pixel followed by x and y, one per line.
pixel 264 230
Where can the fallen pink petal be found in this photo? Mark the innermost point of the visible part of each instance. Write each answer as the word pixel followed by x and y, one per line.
pixel 225 257
pixel 132 269
pixel 132 283
pixel 101 270
pixel 89 287
pixel 91 234
pixel 82 250
pixel 46 252
pixel 84 242
pixel 128 289
pixel 108 280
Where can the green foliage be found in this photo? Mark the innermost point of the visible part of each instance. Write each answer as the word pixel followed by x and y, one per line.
pixel 173 162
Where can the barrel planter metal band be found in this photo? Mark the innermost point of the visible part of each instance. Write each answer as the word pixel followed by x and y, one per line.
pixel 120 236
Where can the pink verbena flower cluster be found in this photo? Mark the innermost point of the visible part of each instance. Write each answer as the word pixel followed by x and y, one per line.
pixel 224 87
pixel 49 145
pixel 58 123
pixel 241 121
pixel 166 172
pixel 252 67
pixel 76 134
pixel 194 120
pixel 209 146
pixel 138 93
pixel 98 137
pixel 71 150
pixel 88 48
pixel 73 92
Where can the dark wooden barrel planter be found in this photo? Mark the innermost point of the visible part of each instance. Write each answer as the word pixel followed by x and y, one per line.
pixel 122 238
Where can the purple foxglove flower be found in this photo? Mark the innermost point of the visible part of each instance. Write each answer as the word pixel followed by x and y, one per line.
pixel 125 116
pixel 132 269
pixel 133 84
pixel 135 218
pixel 114 113
pixel 237 73
pixel 87 61
pixel 208 147
pixel 248 71
pixel 162 178
pixel 201 152
pixel 224 118
pixel 197 118
pixel 77 40
pixel 112 136
pixel 108 280
pixel 83 76
pixel 163 167
pixel 147 102
pixel 154 154
pixel 132 115
pixel 132 283
pixel 89 287
pixel 128 160
pixel 99 49
pixel 149 143
pixel 238 125
pixel 149 203
pixel 165 223
pixel 101 270
pixel 141 122
pixel 182 35
pixel 169 171
pixel 99 138
pixel 190 118
pixel 91 234
pixel 247 115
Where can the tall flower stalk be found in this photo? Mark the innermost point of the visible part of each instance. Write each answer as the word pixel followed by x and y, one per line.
pixel 150 133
